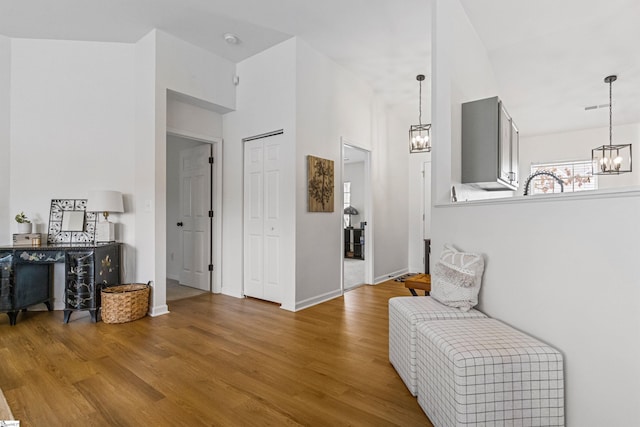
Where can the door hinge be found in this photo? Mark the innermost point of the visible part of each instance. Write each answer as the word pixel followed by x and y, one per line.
pixel 210 267
pixel 210 214
pixel 211 159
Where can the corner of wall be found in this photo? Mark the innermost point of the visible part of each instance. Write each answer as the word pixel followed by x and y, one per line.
pixel 265 102
pixel 193 71
pixel 5 137
pixel 145 87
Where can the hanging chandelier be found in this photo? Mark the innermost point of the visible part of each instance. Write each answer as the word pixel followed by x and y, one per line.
pixel 419 138
pixel 611 159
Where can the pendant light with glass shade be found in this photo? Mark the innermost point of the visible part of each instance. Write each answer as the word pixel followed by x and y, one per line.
pixel 419 138
pixel 612 159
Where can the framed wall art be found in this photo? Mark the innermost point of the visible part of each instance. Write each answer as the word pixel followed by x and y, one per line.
pixel 69 222
pixel 320 184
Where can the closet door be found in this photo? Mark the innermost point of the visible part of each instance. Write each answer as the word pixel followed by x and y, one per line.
pixel 253 219
pixel 262 218
pixel 272 221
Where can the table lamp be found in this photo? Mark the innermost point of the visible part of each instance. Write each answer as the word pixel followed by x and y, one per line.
pixel 350 210
pixel 105 201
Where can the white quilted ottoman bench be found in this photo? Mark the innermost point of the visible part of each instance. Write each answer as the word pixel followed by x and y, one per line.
pixel 483 372
pixel 404 314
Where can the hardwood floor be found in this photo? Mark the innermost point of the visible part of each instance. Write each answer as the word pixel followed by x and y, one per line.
pixel 214 360
pixel 176 291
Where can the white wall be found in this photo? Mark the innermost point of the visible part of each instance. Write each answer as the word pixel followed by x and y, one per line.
pixel 97 119
pixel 390 177
pixel 265 102
pixel 5 139
pixel 550 272
pixel 417 203
pixel 354 173
pixel 577 145
pixel 468 83
pixel 192 119
pixel 75 121
pixel 293 87
pixel 170 64
pixel 320 124
pixel 333 104
pixel 71 129
pixel 145 160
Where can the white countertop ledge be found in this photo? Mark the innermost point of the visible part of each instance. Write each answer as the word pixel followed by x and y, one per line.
pixel 557 197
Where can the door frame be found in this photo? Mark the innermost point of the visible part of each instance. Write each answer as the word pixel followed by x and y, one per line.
pixel 215 251
pixel 368 204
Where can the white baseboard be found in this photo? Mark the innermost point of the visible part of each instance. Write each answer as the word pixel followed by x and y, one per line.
pixel 231 294
pixel 300 305
pixel 389 276
pixel 175 277
pixel 159 310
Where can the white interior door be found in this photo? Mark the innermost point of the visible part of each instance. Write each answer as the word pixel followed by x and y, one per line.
pixel 253 219
pixel 272 219
pixel 262 218
pixel 195 202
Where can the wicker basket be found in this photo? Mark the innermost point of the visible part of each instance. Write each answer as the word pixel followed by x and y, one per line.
pixel 124 303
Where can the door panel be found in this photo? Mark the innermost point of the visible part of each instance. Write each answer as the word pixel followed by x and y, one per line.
pixel 272 291
pixel 187 276
pixel 255 194
pixel 272 198
pixel 195 199
pixel 201 263
pixel 253 220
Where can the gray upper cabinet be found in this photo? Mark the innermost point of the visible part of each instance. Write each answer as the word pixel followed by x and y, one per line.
pixel 489 145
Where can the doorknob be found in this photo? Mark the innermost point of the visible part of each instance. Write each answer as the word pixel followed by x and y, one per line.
pixel 180 224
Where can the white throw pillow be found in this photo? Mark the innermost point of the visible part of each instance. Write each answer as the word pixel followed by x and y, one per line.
pixel 456 278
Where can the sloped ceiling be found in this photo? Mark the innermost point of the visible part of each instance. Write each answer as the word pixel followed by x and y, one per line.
pixel 550 59
pixel 386 43
pixel 550 56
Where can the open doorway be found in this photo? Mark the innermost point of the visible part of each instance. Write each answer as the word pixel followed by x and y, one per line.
pixel 356 235
pixel 190 216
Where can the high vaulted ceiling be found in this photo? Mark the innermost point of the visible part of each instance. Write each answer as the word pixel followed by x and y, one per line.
pixel 387 43
pixel 549 56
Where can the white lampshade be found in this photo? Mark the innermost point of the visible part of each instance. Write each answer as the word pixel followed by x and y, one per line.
pixel 105 201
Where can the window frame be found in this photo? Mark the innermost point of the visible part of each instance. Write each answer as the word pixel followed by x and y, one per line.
pixel 573 183
pixel 346 200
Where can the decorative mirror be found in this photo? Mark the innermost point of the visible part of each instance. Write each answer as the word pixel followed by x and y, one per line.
pixel 69 222
pixel 73 221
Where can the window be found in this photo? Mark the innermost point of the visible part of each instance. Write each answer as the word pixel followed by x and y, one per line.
pixel 576 176
pixel 347 201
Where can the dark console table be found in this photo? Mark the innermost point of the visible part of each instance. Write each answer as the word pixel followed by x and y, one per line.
pixel 26 276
